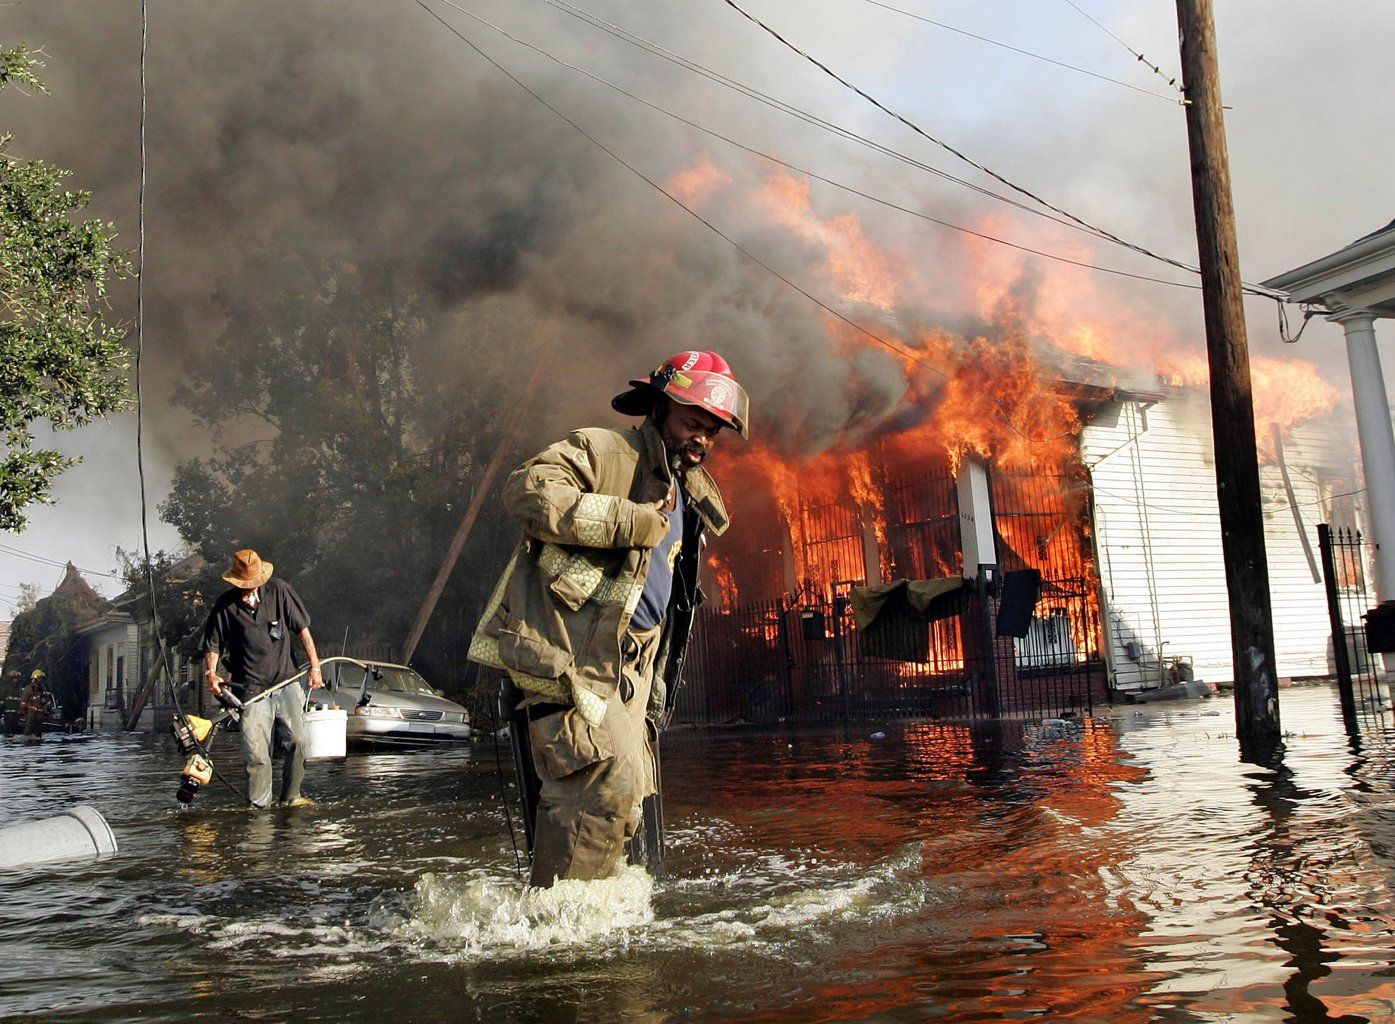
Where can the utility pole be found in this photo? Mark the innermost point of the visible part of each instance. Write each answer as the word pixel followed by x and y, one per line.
pixel 1232 405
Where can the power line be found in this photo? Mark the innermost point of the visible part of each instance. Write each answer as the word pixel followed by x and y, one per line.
pixel 1170 79
pixel 898 349
pixel 812 174
pixel 1025 53
pixel 56 564
pixel 904 352
pixel 1101 232
pixel 798 113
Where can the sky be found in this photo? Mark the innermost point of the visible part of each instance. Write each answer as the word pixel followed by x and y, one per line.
pixel 331 124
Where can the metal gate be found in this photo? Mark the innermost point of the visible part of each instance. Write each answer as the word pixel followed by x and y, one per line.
pixel 1041 522
pixel 1345 564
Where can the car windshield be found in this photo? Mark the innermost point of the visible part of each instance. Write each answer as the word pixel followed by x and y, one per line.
pixel 394 680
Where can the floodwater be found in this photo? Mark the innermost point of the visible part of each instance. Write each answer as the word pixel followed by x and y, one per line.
pixel 1126 868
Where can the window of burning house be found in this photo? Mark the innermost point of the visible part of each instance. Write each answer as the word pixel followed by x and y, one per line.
pixel 810 532
pixel 923 525
pixel 1042 522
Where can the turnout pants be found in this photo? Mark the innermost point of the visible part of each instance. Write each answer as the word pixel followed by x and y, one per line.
pixel 280 715
pixel 594 778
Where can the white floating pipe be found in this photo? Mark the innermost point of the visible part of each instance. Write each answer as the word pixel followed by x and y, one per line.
pixel 79 832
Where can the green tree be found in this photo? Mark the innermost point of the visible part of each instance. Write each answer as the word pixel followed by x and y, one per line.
pixel 46 637
pixel 61 362
pixel 185 586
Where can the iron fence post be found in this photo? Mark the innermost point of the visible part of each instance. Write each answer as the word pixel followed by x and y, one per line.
pixel 1340 660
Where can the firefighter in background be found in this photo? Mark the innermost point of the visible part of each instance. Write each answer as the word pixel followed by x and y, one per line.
pixel 592 615
pixel 34 703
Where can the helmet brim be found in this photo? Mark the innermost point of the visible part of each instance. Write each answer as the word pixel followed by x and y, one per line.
pixel 638 401
pixel 643 396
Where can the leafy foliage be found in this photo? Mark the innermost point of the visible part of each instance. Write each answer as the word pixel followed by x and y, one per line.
pixel 46 637
pixel 185 587
pixel 60 360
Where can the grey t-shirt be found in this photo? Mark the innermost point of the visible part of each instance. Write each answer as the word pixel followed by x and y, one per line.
pixel 658 585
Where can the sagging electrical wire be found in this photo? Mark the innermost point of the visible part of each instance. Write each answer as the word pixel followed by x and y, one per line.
pixel 1181 101
pixel 805 171
pixel 503 790
pixel 1095 229
pixel 898 349
pixel 903 351
pixel 43 560
pixel 203 770
pixel 1309 311
pixel 799 113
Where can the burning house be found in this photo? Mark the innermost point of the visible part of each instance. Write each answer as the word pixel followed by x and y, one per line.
pixel 993 421
pixel 1103 492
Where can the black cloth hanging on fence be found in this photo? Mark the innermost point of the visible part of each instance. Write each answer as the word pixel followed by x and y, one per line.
pixel 893 619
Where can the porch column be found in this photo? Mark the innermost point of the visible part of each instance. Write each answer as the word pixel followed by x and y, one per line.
pixel 1377 441
pixel 975 518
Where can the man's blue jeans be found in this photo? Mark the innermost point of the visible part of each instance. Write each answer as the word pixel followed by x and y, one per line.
pixel 282 715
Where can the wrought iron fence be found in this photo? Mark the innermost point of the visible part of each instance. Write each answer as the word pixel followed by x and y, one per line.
pixel 802 658
pixel 806 661
pixel 1042 525
pixel 1364 694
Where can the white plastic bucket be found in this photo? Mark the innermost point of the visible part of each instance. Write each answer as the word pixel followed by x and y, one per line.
pixel 78 832
pixel 325 732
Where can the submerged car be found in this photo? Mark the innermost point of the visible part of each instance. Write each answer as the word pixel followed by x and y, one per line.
pixel 391 705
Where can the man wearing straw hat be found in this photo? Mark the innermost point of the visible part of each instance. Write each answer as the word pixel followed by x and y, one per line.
pixel 251 626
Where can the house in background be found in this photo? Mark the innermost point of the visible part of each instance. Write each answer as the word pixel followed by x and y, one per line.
pixel 1158 538
pixel 126 688
pixel 113 643
pixel 1122 531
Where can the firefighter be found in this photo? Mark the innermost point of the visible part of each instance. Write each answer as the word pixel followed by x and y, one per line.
pixel 33 702
pixel 592 615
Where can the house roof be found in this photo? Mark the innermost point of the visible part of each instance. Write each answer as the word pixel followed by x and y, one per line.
pixel 135 597
pixel 1360 275
pixel 104 621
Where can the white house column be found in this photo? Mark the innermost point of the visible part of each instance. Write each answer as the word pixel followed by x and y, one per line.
pixel 975 517
pixel 1377 442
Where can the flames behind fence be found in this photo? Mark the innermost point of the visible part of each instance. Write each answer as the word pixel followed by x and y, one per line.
pixel 778 640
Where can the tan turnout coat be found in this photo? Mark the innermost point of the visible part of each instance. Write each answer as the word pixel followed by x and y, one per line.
pixel 557 615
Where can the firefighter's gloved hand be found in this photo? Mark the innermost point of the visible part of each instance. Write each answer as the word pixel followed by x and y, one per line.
pixel 590 706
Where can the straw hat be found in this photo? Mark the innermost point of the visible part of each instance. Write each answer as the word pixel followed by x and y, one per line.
pixel 247 571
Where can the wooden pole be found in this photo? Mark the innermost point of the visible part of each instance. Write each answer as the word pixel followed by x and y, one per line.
pixel 467 523
pixel 1232 405
pixel 1293 503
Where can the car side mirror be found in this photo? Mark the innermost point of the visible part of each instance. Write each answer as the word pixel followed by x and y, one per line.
pixel 365 699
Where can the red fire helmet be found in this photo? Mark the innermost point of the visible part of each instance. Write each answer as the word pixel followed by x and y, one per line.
pixel 697 378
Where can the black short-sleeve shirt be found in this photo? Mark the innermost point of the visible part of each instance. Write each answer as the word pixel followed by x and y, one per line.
pixel 255 643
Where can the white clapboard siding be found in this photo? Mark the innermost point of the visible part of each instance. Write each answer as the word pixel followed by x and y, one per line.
pixel 1159 541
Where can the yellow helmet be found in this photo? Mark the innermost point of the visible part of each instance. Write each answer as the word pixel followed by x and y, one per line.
pixel 37 674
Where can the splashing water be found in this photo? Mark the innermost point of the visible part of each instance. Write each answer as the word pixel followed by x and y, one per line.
pixel 474 915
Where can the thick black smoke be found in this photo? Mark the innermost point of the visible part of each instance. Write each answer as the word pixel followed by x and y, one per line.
pixel 364 130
